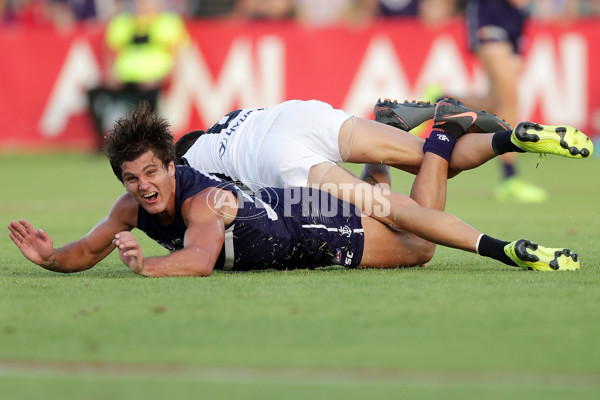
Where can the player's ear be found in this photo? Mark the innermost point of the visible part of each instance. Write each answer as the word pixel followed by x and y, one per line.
pixel 171 168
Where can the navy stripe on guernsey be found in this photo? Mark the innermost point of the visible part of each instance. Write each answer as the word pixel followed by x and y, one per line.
pixel 267 233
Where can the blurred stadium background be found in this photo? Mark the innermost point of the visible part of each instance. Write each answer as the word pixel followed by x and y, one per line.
pixel 254 53
pixel 462 328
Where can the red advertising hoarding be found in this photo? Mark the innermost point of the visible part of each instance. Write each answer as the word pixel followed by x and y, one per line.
pixel 229 64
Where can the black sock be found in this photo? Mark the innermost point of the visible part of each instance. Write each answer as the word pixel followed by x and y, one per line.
pixel 494 248
pixel 501 143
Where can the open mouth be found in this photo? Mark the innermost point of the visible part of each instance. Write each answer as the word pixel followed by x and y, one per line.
pixel 150 197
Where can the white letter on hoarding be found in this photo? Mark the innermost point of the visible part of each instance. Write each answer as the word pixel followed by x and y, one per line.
pixel 558 81
pixel 379 75
pixel 80 70
pixel 193 83
pixel 445 66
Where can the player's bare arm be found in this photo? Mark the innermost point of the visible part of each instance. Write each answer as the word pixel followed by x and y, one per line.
pixel 37 246
pixel 206 215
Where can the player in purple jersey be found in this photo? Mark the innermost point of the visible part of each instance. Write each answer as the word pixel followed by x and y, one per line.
pixel 274 228
pixel 193 213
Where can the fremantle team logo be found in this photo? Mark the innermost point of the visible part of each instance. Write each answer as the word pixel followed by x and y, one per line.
pixel 345 231
pixel 259 201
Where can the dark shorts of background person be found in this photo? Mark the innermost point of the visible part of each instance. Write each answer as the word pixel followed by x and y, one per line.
pixel 494 21
pixel 399 8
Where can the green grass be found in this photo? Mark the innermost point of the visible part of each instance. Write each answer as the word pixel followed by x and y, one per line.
pixel 464 327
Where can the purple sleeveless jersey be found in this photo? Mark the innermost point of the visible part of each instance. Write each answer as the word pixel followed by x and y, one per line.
pixel 273 229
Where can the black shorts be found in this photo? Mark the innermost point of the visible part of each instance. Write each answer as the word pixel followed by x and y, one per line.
pixel 295 228
pixel 494 21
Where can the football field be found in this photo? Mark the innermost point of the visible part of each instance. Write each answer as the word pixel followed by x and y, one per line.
pixel 464 327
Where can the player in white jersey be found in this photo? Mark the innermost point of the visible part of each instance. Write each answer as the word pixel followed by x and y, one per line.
pixel 273 146
pixel 300 143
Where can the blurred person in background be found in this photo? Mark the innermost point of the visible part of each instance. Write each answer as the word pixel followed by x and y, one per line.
pixel 68 14
pixel 211 8
pixel 265 9
pixel 435 13
pixel 554 10
pixel 142 45
pixel 397 8
pixel 319 13
pixel 590 7
pixel 11 11
pixel 431 12
pixel 561 10
pixel 30 13
pixel 495 30
pixel 62 15
pixel 241 9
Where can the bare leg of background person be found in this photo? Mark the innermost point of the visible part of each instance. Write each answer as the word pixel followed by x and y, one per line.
pixel 502 66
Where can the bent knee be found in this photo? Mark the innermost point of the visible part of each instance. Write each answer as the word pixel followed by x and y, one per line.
pixel 423 253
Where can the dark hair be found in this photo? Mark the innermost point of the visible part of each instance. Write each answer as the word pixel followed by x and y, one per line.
pixel 184 143
pixel 136 133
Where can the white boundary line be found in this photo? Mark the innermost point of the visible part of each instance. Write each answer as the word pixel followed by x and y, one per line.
pixel 309 375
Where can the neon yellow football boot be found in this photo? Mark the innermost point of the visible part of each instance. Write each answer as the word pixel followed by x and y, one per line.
pixel 529 255
pixel 564 141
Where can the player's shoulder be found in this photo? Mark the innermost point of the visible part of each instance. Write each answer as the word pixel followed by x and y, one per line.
pixel 125 210
pixel 186 175
pixel 212 198
pixel 190 181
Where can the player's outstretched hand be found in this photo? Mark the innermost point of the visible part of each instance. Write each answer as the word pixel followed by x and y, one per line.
pixel 130 251
pixel 36 245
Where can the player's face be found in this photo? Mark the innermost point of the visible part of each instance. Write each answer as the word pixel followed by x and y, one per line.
pixel 151 183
